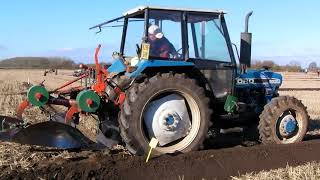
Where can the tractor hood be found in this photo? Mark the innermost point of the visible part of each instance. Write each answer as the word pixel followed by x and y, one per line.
pixel 259 79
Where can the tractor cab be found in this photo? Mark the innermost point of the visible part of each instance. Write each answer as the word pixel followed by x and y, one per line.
pixel 174 34
pixel 175 39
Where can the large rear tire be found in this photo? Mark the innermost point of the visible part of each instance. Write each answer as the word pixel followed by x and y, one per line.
pixel 284 120
pixel 131 118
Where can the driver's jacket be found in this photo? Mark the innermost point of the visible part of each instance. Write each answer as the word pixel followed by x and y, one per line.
pixel 162 48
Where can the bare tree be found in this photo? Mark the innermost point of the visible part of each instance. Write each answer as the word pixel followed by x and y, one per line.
pixel 295 63
pixel 313 66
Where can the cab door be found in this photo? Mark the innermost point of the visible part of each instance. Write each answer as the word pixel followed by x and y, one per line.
pixel 210 49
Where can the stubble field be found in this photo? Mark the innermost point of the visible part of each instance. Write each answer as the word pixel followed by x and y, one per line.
pixel 17 159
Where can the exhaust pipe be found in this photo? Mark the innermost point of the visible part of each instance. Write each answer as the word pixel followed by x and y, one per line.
pixel 247 21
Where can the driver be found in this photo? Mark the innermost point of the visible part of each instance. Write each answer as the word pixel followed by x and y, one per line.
pixel 159 45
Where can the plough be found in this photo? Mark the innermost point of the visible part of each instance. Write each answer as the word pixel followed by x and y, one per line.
pixel 58 132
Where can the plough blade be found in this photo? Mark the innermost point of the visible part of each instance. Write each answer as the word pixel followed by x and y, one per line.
pixel 49 133
pixel 52 134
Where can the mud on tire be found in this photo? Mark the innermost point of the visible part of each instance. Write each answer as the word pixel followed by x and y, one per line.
pixel 140 94
pixel 270 126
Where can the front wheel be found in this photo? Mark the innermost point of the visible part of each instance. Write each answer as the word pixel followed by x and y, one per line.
pixel 284 120
pixel 168 107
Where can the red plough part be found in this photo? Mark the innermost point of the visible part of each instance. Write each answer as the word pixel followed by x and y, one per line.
pixel 78 100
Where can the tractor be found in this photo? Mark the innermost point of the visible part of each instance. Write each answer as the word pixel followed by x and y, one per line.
pixel 177 90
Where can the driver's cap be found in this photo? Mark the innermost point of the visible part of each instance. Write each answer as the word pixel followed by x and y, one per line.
pixel 156 31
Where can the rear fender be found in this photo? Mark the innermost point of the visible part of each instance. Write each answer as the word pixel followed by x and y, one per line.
pixel 117 67
pixel 144 65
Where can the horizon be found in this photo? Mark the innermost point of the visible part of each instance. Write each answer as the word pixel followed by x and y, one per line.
pixel 282 31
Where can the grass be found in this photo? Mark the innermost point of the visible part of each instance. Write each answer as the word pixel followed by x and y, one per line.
pixel 310 171
pixel 300 80
pixel 10 98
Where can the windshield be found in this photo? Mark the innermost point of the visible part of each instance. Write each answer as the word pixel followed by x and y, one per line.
pixel 164 35
pixel 135 31
pixel 109 39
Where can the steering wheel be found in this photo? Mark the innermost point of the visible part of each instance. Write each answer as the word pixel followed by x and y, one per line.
pixel 179 55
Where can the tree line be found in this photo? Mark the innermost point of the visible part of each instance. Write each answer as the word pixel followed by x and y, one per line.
pixel 38 63
pixel 293 66
pixel 67 63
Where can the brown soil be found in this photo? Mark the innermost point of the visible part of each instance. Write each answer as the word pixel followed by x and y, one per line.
pixel 208 164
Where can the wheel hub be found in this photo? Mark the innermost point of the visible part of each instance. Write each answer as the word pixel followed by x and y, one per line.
pixel 167 119
pixel 170 121
pixel 288 125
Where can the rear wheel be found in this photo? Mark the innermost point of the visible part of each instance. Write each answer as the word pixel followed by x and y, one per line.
pixel 284 120
pixel 170 108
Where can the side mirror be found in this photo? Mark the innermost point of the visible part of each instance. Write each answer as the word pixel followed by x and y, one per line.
pixel 245 44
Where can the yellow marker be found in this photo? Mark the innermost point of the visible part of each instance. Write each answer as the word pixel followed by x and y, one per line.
pixel 153 144
pixel 145 50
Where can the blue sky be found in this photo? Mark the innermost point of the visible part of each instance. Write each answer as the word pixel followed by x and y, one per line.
pixel 282 30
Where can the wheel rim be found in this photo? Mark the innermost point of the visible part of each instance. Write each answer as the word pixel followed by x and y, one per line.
pixel 171 120
pixel 289 126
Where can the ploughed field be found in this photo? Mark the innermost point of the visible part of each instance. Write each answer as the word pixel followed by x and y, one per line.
pixel 234 156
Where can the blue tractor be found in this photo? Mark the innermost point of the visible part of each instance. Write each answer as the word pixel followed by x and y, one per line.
pixel 174 79
pixel 177 92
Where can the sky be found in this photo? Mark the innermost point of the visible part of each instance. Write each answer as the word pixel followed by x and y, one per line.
pixel 283 31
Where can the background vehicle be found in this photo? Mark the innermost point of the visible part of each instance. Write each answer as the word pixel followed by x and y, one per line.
pixel 77 73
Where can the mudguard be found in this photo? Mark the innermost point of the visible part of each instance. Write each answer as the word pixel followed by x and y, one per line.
pixel 144 64
pixel 118 66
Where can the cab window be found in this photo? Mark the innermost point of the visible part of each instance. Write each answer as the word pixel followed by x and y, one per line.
pixel 134 36
pixel 206 38
pixel 164 34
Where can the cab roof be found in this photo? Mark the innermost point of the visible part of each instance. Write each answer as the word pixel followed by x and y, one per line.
pixel 142 8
